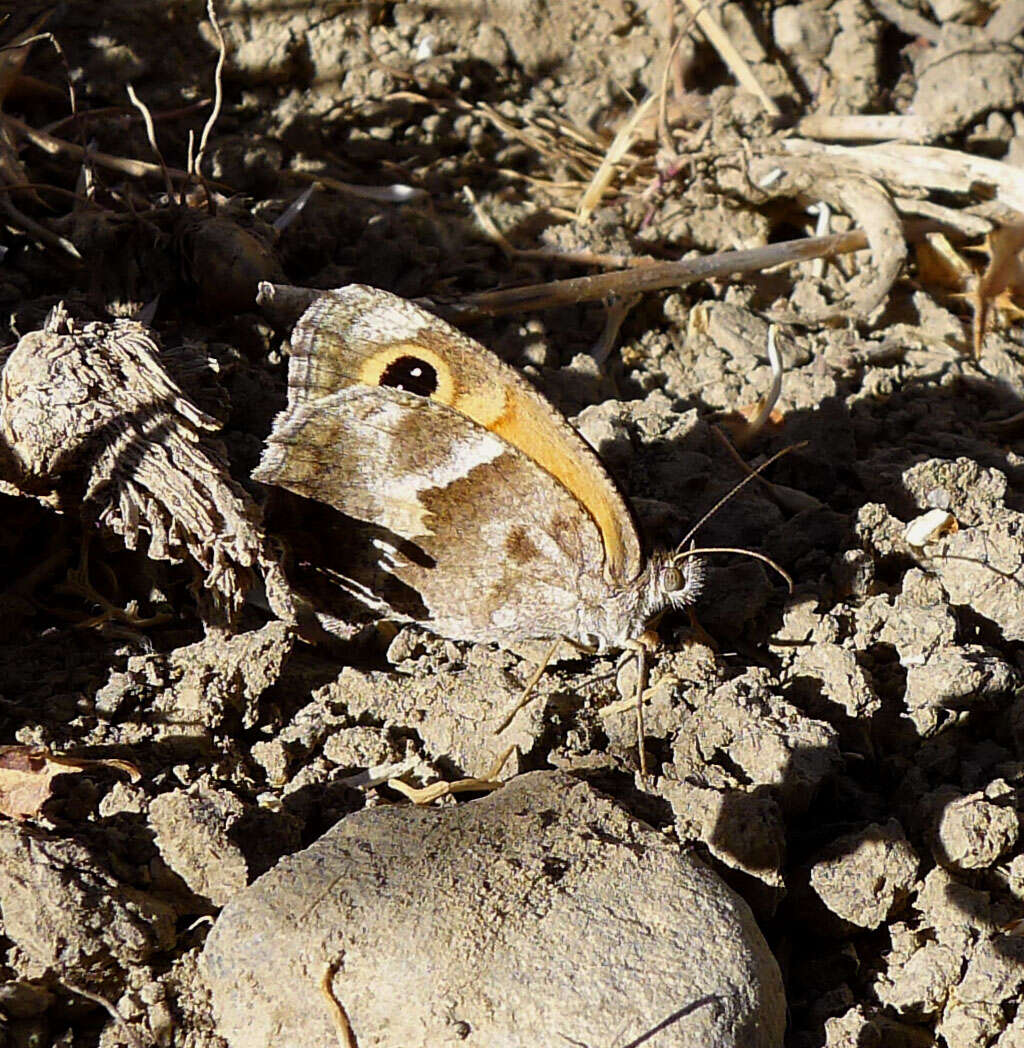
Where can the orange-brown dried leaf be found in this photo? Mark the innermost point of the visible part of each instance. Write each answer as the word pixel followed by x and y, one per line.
pixel 1003 278
pixel 26 779
pixel 27 774
pixel 940 266
pixel 13 55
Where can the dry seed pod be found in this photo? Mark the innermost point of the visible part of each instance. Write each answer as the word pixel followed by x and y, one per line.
pixel 225 262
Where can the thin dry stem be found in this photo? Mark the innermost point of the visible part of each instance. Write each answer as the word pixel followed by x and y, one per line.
pixel 147 120
pixel 59 146
pixel 342 1027
pixel 740 68
pixel 110 1009
pixel 218 90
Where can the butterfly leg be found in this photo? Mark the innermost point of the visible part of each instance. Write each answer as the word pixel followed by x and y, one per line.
pixel 641 646
pixel 530 685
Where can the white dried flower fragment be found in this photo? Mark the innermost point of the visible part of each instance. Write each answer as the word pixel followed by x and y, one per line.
pixel 929 527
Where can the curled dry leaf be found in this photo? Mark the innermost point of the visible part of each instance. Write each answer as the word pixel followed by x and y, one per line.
pixel 90 419
pixel 902 168
pixel 27 774
pixel 26 780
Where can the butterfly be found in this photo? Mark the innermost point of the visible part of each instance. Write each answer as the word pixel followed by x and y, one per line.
pixel 470 504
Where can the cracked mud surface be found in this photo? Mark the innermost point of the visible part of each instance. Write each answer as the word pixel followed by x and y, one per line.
pixel 847 756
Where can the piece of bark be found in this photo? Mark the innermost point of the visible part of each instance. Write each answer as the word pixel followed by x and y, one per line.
pixel 90 420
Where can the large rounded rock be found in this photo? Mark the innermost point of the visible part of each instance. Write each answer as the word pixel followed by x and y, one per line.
pixel 541 914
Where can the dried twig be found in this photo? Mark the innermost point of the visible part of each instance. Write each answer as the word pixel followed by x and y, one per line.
pixel 652 277
pixel 914 168
pixel 110 1009
pixel 121 112
pixel 58 146
pixel 867 127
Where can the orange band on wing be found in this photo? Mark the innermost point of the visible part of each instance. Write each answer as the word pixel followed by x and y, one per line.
pixel 558 456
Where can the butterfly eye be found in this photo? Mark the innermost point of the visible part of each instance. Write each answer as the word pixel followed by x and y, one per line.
pixel 673 580
pixel 412 374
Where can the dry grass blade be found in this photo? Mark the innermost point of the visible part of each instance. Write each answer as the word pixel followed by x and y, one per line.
pixel 555 139
pixel 436 790
pixel 719 40
pixel 619 147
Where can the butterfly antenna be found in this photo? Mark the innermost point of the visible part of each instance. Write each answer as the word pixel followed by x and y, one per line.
pixel 682 554
pixel 698 550
pixel 735 490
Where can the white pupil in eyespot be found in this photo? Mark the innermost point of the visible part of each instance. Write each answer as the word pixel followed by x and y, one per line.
pixel 416 372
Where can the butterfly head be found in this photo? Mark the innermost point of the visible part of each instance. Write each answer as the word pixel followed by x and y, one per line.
pixel 620 617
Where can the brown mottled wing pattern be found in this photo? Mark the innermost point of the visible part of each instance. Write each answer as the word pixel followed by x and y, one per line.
pixel 359 335
pixel 496 548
